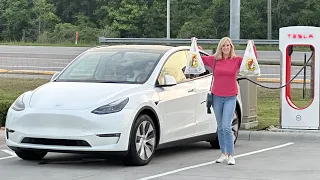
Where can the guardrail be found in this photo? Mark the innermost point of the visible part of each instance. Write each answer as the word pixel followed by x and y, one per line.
pixel 182 41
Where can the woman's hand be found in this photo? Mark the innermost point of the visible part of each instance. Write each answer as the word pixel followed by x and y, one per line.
pixel 251 41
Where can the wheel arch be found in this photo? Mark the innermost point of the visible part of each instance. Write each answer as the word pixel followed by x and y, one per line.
pixel 147 110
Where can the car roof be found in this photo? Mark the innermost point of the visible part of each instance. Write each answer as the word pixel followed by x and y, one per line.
pixel 163 48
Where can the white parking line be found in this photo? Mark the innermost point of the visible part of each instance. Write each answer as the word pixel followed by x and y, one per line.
pixel 8 157
pixel 213 162
pixel 9 152
pixel 12 154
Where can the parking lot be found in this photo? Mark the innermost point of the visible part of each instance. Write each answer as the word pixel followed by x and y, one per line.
pixel 263 160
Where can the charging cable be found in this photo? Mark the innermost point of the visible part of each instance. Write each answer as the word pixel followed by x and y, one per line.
pixel 244 78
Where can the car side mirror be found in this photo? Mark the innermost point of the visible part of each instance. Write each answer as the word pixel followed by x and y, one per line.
pixel 54 76
pixel 168 81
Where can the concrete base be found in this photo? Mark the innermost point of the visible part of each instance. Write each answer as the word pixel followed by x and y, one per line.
pixel 249 125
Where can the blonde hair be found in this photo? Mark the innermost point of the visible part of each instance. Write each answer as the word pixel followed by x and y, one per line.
pixel 218 54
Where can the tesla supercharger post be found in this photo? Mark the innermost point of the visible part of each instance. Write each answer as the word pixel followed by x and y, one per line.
pixel 293 117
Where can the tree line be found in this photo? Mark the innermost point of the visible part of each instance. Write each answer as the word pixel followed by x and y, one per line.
pixel 56 21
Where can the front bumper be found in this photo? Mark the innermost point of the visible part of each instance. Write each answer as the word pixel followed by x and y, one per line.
pixel 68 131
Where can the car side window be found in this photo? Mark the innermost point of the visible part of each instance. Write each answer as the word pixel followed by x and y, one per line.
pixel 174 66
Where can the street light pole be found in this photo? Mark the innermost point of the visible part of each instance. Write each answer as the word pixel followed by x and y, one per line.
pixel 168 19
pixel 235 19
pixel 269 20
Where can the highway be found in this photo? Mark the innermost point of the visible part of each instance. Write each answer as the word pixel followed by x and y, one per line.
pixel 48 58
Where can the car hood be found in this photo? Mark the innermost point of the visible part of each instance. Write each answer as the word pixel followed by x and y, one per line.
pixel 75 95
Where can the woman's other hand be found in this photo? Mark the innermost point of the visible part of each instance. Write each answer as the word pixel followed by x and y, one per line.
pixel 251 41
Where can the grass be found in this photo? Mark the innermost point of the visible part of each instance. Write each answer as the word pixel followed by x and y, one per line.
pixel 268 101
pixel 268 104
pixel 11 88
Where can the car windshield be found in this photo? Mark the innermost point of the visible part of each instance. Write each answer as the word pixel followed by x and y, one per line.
pixel 112 66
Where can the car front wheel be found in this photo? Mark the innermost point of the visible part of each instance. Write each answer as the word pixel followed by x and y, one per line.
pixel 30 155
pixel 142 142
pixel 235 131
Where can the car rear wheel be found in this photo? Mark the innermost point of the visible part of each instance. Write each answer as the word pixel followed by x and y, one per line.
pixel 235 130
pixel 30 155
pixel 142 142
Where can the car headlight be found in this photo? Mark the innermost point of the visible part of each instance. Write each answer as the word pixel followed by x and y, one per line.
pixel 112 107
pixel 18 104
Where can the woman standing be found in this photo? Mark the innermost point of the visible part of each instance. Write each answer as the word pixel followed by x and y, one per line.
pixel 225 65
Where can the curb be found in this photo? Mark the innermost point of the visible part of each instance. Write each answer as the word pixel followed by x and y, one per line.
pixel 277 80
pixel 5 71
pixel 301 136
pixel 27 72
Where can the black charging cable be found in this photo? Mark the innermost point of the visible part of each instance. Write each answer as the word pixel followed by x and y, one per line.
pixel 244 78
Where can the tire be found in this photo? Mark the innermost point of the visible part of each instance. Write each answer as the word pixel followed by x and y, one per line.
pixel 142 145
pixel 30 155
pixel 235 130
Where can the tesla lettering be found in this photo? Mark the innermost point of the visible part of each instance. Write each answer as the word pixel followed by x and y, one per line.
pixel 300 36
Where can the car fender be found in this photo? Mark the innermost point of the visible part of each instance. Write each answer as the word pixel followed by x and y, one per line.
pixel 156 120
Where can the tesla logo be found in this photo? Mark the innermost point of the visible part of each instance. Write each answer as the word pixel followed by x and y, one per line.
pixel 300 36
pixel 298 118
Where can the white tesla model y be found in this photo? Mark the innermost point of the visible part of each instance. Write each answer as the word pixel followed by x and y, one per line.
pixel 127 100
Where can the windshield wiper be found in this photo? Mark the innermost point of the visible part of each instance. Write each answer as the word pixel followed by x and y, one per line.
pixel 109 81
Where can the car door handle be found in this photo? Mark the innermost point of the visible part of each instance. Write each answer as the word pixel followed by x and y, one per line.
pixel 190 90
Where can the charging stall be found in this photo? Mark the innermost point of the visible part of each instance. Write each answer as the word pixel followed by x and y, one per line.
pixel 295 116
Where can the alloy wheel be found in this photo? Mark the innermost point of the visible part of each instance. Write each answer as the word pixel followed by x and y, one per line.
pixel 145 140
pixel 235 126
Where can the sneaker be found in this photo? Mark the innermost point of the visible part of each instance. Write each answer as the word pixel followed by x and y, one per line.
pixel 231 160
pixel 222 158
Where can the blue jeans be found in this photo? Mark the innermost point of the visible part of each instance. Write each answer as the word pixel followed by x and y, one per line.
pixel 224 108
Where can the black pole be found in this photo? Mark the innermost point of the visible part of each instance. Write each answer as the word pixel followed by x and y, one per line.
pixel 304 77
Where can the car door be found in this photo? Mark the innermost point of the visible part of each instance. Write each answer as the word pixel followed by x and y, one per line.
pixel 177 102
pixel 205 123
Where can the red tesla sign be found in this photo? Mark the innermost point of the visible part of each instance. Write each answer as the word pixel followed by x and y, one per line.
pixel 300 36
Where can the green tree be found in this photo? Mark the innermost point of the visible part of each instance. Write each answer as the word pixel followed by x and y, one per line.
pixel 253 19
pixel 186 11
pixel 155 20
pixel 45 18
pixel 15 18
pixel 128 18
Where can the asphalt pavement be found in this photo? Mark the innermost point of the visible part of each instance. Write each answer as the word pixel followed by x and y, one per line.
pixel 264 159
